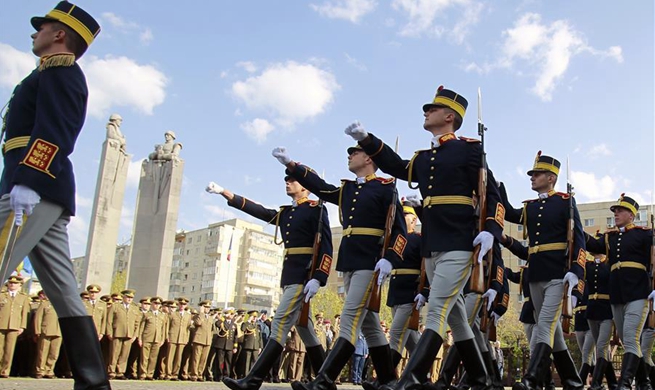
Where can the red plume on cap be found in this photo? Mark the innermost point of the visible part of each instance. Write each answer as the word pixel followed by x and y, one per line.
pixel 440 88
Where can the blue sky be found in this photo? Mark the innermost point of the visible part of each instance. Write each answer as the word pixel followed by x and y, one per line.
pixel 236 79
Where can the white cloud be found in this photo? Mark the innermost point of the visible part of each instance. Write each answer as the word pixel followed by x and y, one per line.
pixel 289 92
pixel 350 10
pixel 355 62
pixel 122 82
pixel 127 217
pixel 146 36
pixel 82 202
pixel 14 65
pixel 78 231
pixel 128 27
pixel 599 151
pixel 248 66
pixel 133 174
pixel 422 18
pixel 258 129
pixel 249 180
pixel 218 213
pixel 547 50
pixel 589 188
pixel 118 22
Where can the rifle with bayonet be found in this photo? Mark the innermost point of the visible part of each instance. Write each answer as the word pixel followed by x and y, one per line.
pixel 651 315
pixel 567 306
pixel 414 318
pixel 316 250
pixel 477 274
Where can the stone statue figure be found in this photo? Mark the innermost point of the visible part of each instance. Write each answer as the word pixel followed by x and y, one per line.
pixel 114 135
pixel 169 150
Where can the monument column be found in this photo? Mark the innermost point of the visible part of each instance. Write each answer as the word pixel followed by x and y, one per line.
pixel 155 219
pixel 107 206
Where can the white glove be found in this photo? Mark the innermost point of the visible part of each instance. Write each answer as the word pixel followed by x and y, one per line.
pixel 22 201
pixel 384 266
pixel 491 295
pixel 572 280
pixel 281 154
pixel 420 301
pixel 651 297
pixel 495 318
pixel 214 188
pixel 413 200
pixel 574 300
pixel 311 288
pixel 357 131
pixel 486 241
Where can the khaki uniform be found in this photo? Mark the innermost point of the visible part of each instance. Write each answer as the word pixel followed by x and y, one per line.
pixel 152 334
pixel 13 318
pixel 123 326
pixel 98 311
pixel 46 328
pixel 178 336
pixel 201 343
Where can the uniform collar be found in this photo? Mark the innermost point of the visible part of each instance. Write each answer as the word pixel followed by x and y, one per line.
pixel 545 195
pixel 442 139
pixel 300 201
pixel 627 227
pixel 366 179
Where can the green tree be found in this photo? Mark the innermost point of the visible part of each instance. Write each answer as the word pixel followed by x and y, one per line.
pixel 118 282
pixel 327 301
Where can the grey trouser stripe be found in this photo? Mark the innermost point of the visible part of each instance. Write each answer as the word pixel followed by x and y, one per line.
pixel 647 339
pixel 473 304
pixel 399 334
pixel 355 315
pixel 529 332
pixel 629 319
pixel 547 300
pixel 287 314
pixel 586 345
pixel 602 333
pixel 448 272
pixel 44 238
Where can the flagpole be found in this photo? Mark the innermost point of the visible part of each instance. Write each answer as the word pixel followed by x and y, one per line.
pixel 227 276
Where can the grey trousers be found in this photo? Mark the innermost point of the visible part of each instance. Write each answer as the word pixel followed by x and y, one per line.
pixel 287 314
pixel 586 344
pixel 647 339
pixel 44 238
pixel 629 319
pixel 473 303
pixel 355 315
pixel 547 300
pixel 602 331
pixel 399 335
pixel 448 273
pixel 529 331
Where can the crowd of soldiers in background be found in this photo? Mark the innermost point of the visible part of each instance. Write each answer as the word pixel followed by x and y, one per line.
pixel 158 339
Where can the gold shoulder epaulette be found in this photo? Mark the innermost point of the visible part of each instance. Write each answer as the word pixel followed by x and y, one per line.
pixel 386 180
pixel 612 230
pixel 472 140
pixel 564 195
pixel 313 203
pixel 54 60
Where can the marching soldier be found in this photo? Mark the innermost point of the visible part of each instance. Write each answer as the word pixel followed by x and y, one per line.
pixel 299 224
pixel 46 328
pixel 226 345
pixel 201 341
pixel 363 207
pixel 14 310
pixel 152 333
pixel 252 342
pixel 447 175
pixel 599 318
pixel 545 222
pixel 97 309
pixel 180 324
pixel 42 123
pixel 582 332
pixel 122 329
pixel 628 249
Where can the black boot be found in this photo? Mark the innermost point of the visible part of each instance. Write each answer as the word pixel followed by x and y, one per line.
pixel 84 354
pixel 418 366
pixel 396 357
pixel 316 356
pixel 628 370
pixel 536 368
pixel 651 374
pixel 337 358
pixel 477 375
pixel 492 370
pixel 610 376
pixel 547 375
pixel 597 375
pixel 642 380
pixel 448 370
pixel 567 372
pixel 255 377
pixel 584 373
pixel 382 362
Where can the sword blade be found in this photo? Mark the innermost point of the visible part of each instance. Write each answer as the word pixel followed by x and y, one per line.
pixel 9 248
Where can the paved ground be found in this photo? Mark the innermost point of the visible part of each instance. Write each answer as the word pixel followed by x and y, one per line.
pixel 67 384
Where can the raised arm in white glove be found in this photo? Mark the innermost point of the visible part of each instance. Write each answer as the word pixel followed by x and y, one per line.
pixel 311 288
pixel 384 266
pixel 214 188
pixel 491 295
pixel 572 280
pixel 420 301
pixel 486 241
pixel 281 154
pixel 22 200
pixel 413 200
pixel 357 131
pixel 574 301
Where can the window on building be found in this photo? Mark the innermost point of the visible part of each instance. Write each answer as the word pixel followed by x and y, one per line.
pixel 186 265
pixel 340 274
pixel 341 290
pixel 187 252
pixel 199 239
pixel 193 288
pixel 641 216
pixel 589 222
pixel 519 228
pixel 610 222
pixel 186 277
pixel 190 240
pixel 183 288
